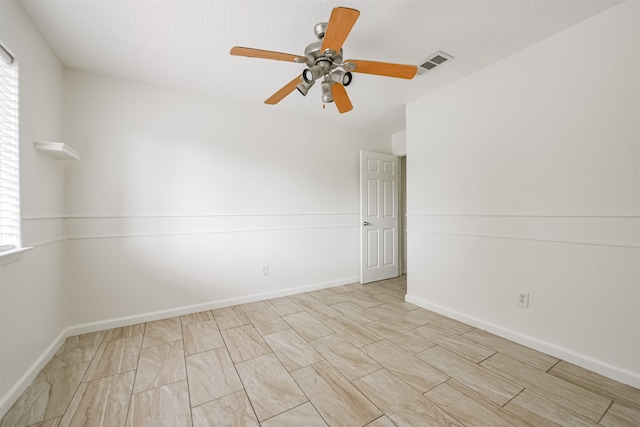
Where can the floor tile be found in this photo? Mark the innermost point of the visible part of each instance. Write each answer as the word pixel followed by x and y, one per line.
pixel 305 296
pixel 539 411
pixel 202 316
pixel 160 365
pixel 307 326
pixel 318 309
pixel 328 296
pixel 407 319
pixel 401 403
pixel 603 386
pixel 355 312
pixel 115 357
pixel 524 354
pixel 579 400
pixel 387 298
pixel 46 397
pixel 303 415
pixel 267 321
pixel 211 375
pixel 621 416
pixel 244 342
pixel 269 386
pixel 345 357
pixel 335 398
pixel 62 383
pixel 231 410
pixel 164 406
pixel 383 421
pixel 403 338
pixel 397 293
pixel 124 332
pixel 478 399
pixel 489 384
pixel 368 289
pixel 442 321
pixel 360 299
pixel 102 402
pixel 469 411
pixel 413 371
pixel 230 317
pixel 251 306
pixel 352 331
pixel 202 336
pixel 454 342
pixel 284 306
pixel 162 332
pixel 292 350
pixel 53 422
pixel 77 349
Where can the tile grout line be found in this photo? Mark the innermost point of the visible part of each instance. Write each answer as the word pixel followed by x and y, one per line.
pixel 77 387
pixel 235 367
pixel 606 411
pixel 135 376
pixel 186 371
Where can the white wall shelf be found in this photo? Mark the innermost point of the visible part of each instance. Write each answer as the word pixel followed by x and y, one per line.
pixel 58 150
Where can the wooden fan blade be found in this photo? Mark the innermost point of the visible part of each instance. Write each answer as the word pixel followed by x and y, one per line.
pixel 340 24
pixel 283 92
pixel 341 98
pixel 265 54
pixel 384 69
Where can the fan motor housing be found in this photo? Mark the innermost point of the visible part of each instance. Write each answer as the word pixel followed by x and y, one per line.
pixel 314 55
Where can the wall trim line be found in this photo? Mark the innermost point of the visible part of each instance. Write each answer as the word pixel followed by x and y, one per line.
pixel 42 217
pixel 220 215
pixel 48 242
pixel 148 216
pixel 195 233
pixel 524 215
pixel 532 239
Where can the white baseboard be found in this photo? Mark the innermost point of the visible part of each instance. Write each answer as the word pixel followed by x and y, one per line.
pixel 619 374
pixel 11 396
pixel 21 385
pixel 180 311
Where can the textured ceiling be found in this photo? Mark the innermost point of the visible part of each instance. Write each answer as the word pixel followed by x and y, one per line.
pixel 185 44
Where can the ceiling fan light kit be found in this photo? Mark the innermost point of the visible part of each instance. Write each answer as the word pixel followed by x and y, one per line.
pixel 323 59
pixel 303 87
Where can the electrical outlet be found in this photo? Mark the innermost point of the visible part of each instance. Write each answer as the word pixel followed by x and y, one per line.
pixel 265 269
pixel 523 299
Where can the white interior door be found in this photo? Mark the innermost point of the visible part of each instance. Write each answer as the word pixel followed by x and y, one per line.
pixel 378 216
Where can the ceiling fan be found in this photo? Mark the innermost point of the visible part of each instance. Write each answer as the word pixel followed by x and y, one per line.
pixel 324 62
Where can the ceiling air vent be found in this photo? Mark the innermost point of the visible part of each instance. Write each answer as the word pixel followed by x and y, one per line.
pixel 434 61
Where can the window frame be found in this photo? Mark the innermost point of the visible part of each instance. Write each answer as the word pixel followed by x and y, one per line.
pixel 10 217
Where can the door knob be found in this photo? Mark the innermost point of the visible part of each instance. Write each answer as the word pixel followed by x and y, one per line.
pixel 365 223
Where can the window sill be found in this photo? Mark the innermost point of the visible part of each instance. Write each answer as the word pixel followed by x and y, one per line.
pixel 12 255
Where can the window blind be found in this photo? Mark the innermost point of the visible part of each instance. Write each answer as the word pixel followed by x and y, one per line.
pixel 9 155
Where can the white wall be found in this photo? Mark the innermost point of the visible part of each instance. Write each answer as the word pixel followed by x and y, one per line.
pixel 529 181
pixel 32 289
pixel 179 200
pixel 399 143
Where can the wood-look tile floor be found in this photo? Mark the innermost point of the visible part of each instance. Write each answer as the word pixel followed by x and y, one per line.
pixel 347 356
